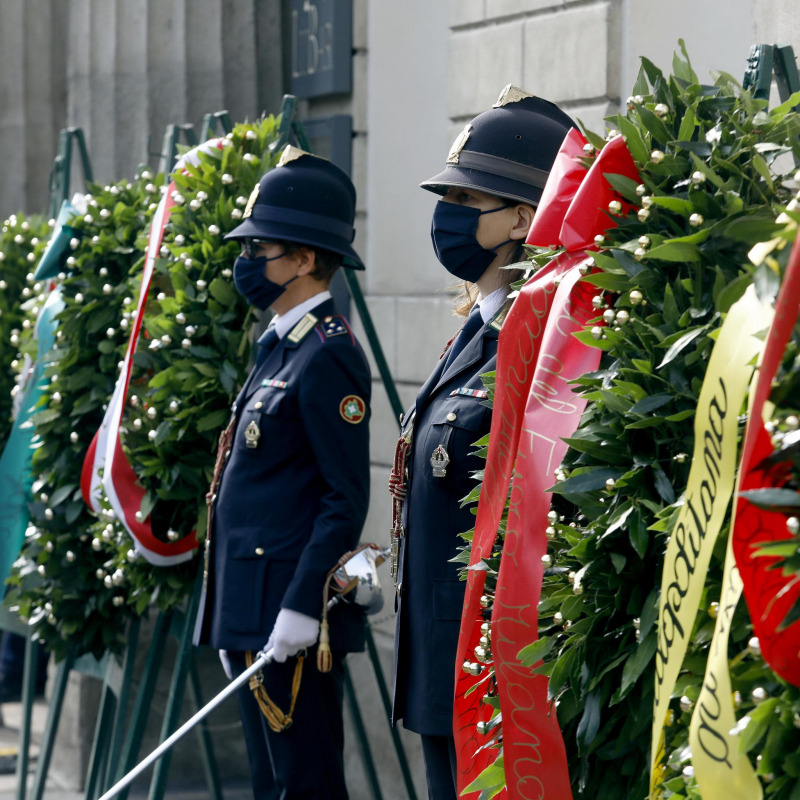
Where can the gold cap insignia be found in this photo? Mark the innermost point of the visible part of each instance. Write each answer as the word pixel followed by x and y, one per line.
pixel 511 94
pixel 290 153
pixel 458 144
pixel 251 201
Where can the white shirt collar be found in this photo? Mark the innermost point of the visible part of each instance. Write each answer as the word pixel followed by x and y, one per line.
pixel 283 323
pixel 492 303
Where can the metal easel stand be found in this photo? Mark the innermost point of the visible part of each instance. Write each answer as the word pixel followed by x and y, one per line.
pixel 11 623
pixel 765 60
pixel 116 676
pixel 62 167
pixel 211 121
pixel 117 740
pixel 181 626
pixel 169 149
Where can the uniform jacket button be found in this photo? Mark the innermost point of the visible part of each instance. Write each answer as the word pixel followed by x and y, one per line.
pixel 451 417
pixel 259 551
pixel 400 588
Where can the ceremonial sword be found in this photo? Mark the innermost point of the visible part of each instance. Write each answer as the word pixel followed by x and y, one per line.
pixel 357 577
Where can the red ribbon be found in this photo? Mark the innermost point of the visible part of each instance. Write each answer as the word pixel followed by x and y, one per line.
pixel 534 408
pixel 769 593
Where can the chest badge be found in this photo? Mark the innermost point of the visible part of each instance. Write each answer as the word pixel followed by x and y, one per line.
pixel 252 433
pixel 439 462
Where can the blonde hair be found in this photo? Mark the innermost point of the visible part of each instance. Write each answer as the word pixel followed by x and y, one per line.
pixel 466 293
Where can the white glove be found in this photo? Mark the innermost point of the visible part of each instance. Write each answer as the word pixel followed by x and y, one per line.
pixel 226 664
pixel 292 632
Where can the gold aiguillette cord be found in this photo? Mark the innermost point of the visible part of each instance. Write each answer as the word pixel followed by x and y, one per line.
pixel 276 719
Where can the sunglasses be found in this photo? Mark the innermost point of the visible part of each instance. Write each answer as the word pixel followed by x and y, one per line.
pixel 250 247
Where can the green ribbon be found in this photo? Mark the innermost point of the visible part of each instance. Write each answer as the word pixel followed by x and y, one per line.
pixel 15 463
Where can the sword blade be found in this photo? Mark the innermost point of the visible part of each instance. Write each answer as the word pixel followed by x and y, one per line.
pixel 262 658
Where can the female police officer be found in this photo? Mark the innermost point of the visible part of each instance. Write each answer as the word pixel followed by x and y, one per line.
pixel 491 186
pixel 291 488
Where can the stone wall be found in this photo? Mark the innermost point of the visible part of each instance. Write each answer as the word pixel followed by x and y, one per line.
pixel 122 70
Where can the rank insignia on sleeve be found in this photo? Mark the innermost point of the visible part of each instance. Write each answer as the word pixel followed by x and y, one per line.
pixel 352 409
pixel 334 326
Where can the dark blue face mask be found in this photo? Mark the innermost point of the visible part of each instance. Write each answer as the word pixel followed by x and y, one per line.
pixel 453 230
pixel 250 279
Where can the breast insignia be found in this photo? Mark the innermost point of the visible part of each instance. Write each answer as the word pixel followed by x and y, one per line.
pixel 439 461
pixel 252 433
pixel 334 326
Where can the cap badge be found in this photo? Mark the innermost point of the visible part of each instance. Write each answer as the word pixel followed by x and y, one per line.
pixel 290 153
pixel 458 144
pixel 511 94
pixel 251 201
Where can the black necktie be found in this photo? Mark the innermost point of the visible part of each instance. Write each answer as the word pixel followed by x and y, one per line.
pixel 472 324
pixel 266 344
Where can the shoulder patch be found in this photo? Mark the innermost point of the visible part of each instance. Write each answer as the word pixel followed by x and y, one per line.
pixel 303 328
pixel 335 325
pixel 499 318
pixel 352 409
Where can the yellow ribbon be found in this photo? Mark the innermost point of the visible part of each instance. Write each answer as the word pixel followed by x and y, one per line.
pixel 721 771
pixel 708 493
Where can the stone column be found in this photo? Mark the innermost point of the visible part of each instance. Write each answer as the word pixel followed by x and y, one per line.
pixel 32 77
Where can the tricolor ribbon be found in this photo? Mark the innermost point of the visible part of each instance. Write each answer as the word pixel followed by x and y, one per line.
pixel 535 407
pixel 106 469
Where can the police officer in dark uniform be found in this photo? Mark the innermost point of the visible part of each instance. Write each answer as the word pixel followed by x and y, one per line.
pixel 291 488
pixel 491 186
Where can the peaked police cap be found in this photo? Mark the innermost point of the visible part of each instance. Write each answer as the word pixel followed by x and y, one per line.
pixel 304 199
pixel 506 151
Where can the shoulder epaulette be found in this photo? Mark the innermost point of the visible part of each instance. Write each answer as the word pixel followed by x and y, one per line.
pixel 334 325
pixel 303 328
pixel 500 317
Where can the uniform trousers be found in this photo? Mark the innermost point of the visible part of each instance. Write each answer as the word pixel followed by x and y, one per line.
pixel 305 761
pixel 439 753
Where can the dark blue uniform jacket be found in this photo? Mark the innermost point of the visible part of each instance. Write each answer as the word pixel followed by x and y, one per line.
pixel 288 508
pixel 430 593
